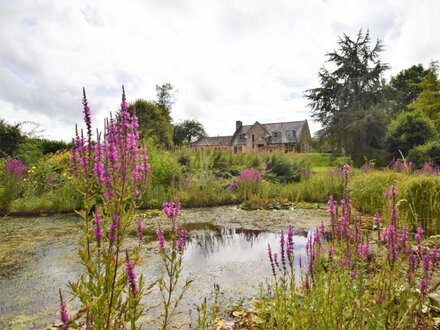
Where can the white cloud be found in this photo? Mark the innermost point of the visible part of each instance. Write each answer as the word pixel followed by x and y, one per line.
pixel 230 60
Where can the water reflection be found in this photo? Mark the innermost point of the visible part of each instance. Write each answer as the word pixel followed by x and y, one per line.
pixel 222 247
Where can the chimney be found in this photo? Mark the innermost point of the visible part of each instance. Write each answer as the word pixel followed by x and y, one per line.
pixel 238 125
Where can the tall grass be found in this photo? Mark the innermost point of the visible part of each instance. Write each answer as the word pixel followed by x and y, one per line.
pixel 419 196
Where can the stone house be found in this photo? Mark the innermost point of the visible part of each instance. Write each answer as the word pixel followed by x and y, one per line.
pixel 287 136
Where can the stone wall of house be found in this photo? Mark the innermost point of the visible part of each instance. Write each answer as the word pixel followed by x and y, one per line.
pixel 259 138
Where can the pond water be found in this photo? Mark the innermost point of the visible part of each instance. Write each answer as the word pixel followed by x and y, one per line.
pixel 39 255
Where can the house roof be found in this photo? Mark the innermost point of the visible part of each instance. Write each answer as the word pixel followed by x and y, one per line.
pixel 271 128
pixel 213 141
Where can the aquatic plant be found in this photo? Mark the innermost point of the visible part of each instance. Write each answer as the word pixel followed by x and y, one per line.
pixel 172 262
pixel 346 283
pixel 111 175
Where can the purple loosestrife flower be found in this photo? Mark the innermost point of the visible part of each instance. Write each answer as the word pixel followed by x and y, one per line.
pixel 97 231
pixel 171 209
pixel 15 167
pixel 390 238
pixel 249 174
pixel 64 315
pixel 131 277
pixel 140 228
pixel 322 228
pixel 275 259
pixel 331 252
pixel 160 240
pixel 419 235
pixel 182 240
pixel 87 117
pixel 363 250
pixel 272 264
pixel 233 186
pixel 403 237
pixel 98 167
pixel 412 267
pixel 332 212
pixel 290 246
pixel 114 227
pixel 283 252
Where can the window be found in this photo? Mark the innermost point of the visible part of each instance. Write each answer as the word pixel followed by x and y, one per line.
pixel 291 134
pixel 241 137
pixel 276 134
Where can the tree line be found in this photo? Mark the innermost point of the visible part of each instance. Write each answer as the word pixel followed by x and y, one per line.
pixel 364 116
pixel 155 125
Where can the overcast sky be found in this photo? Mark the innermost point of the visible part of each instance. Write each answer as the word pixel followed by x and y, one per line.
pixel 229 60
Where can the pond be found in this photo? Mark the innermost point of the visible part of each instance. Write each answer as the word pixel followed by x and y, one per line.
pixel 225 247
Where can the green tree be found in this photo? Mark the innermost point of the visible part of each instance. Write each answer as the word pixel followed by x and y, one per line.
pixel 408 130
pixel 188 131
pixel 165 98
pixel 403 89
pixel 347 102
pixel 153 122
pixel 428 101
pixel 10 138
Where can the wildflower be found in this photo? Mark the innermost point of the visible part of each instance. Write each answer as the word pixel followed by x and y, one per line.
pixel 64 315
pixel 97 232
pixel 140 228
pixel 114 227
pixel 322 228
pixel 131 277
pixel 160 240
pixel 182 240
pixel 282 245
pixel 290 245
pixel 171 209
pixel 419 235
pixel 272 264
pixel 363 250
pixel 249 174
pixel 15 167
pixel 330 252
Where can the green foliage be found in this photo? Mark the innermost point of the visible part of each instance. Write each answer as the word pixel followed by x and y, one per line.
pixel 408 130
pixel 165 98
pixel 188 131
pixel 403 89
pixel 30 151
pixel 424 153
pixel 10 139
pixel 367 190
pixel 418 196
pixel 347 102
pixel 428 101
pixel 420 202
pixel 282 169
pixel 164 168
pixel 154 123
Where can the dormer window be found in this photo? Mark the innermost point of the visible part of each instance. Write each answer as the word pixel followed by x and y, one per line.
pixel 291 134
pixel 241 137
pixel 276 135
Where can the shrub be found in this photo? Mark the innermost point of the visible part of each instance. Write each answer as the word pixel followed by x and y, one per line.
pixel 427 152
pixel 410 129
pixel 164 168
pixel 282 169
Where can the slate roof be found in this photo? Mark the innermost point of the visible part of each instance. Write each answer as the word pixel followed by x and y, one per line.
pixel 222 141
pixel 271 128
